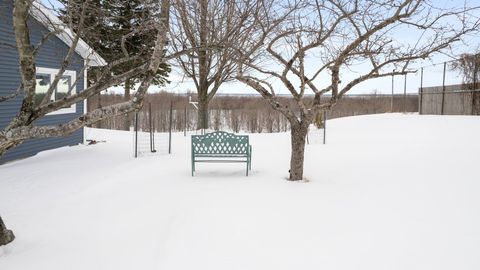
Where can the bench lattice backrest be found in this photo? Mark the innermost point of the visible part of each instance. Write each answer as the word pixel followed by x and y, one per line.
pixel 220 143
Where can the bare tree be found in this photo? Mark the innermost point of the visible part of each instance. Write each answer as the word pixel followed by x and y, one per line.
pixel 23 127
pixel 313 49
pixel 202 24
pixel 469 66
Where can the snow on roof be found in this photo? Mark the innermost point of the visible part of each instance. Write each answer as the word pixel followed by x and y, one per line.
pixel 46 17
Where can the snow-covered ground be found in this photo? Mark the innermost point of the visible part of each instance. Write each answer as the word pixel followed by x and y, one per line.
pixel 387 192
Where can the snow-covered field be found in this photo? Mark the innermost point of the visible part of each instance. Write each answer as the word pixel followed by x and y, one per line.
pixel 387 192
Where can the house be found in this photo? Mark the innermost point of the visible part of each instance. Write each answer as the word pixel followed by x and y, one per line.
pixel 48 60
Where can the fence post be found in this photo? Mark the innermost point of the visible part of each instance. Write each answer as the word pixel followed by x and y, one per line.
pixel 136 134
pixel 476 59
pixel 391 99
pixel 405 94
pixel 421 93
pixel 150 125
pixel 153 136
pixel 324 126
pixel 443 87
pixel 185 124
pixel 170 129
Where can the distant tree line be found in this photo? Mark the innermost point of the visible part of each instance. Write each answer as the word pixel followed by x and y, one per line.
pixel 239 113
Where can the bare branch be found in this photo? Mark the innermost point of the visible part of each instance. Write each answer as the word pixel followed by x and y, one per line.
pixel 333 36
pixel 22 128
pixel 68 57
pixel 12 95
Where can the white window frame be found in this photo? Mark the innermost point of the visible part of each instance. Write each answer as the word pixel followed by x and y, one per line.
pixel 73 76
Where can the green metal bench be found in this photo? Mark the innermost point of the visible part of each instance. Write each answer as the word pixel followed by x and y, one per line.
pixel 221 146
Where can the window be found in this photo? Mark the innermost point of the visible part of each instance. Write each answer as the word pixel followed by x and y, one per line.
pixel 43 83
pixel 44 78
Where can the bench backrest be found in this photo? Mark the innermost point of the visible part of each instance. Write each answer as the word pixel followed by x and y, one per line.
pixel 220 142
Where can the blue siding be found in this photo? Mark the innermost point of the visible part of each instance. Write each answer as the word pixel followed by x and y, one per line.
pixel 50 56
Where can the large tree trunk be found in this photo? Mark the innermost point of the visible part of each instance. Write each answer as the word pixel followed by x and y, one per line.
pixel 128 86
pixel 6 236
pixel 298 136
pixel 202 113
pixel 203 69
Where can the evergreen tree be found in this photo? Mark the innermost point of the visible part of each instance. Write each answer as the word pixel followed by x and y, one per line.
pixel 106 23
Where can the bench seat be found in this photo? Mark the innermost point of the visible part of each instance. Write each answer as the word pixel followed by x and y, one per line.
pixel 221 147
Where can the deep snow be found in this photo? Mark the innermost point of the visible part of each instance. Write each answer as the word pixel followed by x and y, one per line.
pixel 388 191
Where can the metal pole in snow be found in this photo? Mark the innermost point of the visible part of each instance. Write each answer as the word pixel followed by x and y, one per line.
pixel 136 134
pixel 153 137
pixel 391 99
pixel 324 127
pixel 150 125
pixel 421 92
pixel 185 125
pixel 475 72
pixel 443 87
pixel 405 94
pixel 170 129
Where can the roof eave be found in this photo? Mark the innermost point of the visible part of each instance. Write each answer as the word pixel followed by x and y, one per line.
pixel 45 16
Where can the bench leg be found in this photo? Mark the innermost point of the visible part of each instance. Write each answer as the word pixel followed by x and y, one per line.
pixel 250 157
pixel 193 166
